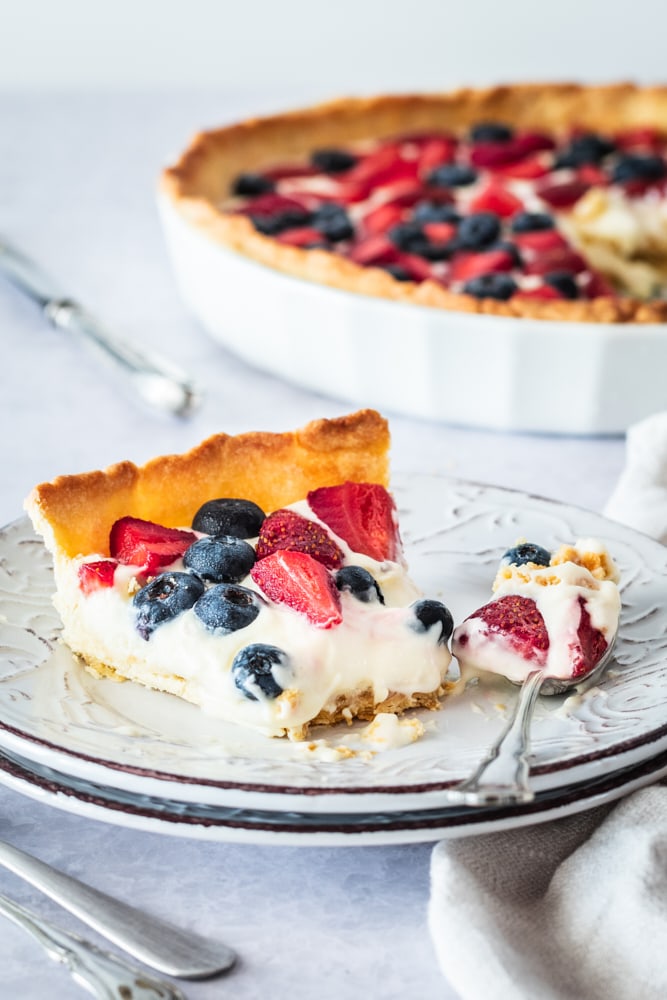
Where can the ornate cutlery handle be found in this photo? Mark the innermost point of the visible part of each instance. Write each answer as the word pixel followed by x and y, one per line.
pixel 104 975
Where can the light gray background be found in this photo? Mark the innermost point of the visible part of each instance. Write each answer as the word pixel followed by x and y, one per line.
pixel 94 97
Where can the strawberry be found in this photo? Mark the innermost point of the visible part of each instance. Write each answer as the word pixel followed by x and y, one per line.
pixel 380 219
pixel 285 529
pixel 96 575
pixel 563 195
pixel 592 644
pixel 265 206
pixel 595 285
pixel 557 260
pixel 542 293
pixel 518 620
pixel 302 236
pixel 470 265
pixel 287 171
pixel 362 514
pixel 375 250
pixel 499 154
pixel 415 266
pixel 529 169
pixel 439 232
pixel 639 138
pixel 382 166
pixel 435 151
pixel 540 240
pixel 142 543
pixel 497 199
pixel 590 174
pixel 302 583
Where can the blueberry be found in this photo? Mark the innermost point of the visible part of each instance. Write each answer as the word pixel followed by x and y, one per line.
pixel 252 184
pixel 333 161
pixel 531 222
pixel 639 168
pixel 165 597
pixel 429 613
pixel 527 552
pixel 227 607
pixel 564 282
pixel 587 148
pixel 272 225
pixel 491 286
pixel 409 236
pixel 359 582
pixel 220 558
pixel 491 132
pixel 453 175
pixel 253 670
pixel 478 230
pixel 397 271
pixel 432 211
pixel 240 518
pixel 333 222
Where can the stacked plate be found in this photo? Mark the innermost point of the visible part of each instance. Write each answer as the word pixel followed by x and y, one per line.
pixel 122 754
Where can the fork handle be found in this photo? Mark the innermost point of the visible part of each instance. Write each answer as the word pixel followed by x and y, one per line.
pixel 502 776
pixel 154 942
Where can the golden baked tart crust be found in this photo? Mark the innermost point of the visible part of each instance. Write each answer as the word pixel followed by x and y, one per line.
pixel 198 185
pixel 75 513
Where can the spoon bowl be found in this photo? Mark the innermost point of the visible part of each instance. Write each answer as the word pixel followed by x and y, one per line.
pixel 502 777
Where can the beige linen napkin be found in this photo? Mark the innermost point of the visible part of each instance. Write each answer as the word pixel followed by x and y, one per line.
pixel 575 909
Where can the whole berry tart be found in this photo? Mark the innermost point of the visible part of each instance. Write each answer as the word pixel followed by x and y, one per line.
pixel 554 612
pixel 536 200
pixel 260 577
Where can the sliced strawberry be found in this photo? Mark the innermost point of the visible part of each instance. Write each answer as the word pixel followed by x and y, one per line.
pixel 595 286
pixel 439 232
pixel 557 260
pixel 470 265
pixel 350 192
pixel 541 293
pixel 562 195
pixel 374 250
pixel 96 575
pixel 418 268
pixel 590 174
pixel 382 165
pixel 639 138
pixel 499 154
pixel 405 193
pixel 265 206
pixel 285 529
pixel 592 644
pixel 285 171
pixel 497 199
pixel 302 236
pixel 529 169
pixel 434 152
pixel 302 583
pixel 540 240
pixel 362 514
pixel 380 219
pixel 520 623
pixel 143 543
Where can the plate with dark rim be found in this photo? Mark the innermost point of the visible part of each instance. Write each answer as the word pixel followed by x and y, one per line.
pixel 124 740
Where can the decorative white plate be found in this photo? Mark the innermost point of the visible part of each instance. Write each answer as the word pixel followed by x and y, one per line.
pixel 400 358
pixel 127 744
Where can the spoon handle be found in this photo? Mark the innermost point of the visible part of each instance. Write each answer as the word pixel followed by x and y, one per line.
pixel 502 776
pixel 154 942
pixel 106 976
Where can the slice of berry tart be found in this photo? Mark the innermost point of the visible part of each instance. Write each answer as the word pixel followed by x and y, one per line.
pixel 556 612
pixel 536 200
pixel 260 576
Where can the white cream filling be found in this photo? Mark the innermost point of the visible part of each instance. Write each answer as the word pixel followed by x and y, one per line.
pixel 375 648
pixel 557 591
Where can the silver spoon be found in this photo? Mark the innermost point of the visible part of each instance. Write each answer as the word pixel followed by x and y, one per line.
pixel 104 975
pixel 502 776
pixel 154 942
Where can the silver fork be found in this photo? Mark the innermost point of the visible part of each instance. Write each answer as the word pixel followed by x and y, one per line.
pixel 104 975
pixel 154 942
